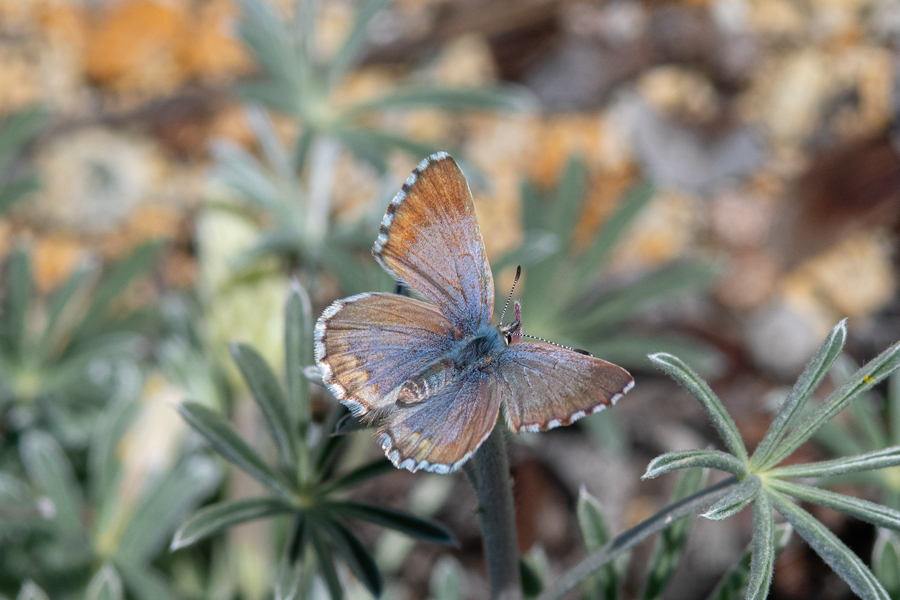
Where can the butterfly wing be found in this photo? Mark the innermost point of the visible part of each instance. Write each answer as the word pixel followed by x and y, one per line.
pixel 544 386
pixel 429 239
pixel 442 432
pixel 368 345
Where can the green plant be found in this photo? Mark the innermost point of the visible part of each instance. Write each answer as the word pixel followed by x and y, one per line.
pixel 68 537
pixel 291 189
pixel 18 129
pixel 63 358
pixel 759 482
pixel 560 297
pixel 302 483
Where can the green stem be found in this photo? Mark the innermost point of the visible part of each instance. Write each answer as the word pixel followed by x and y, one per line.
pixel 489 473
pixel 631 537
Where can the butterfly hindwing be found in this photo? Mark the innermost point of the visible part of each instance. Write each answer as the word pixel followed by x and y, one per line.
pixel 368 345
pixel 429 239
pixel 441 433
pixel 545 386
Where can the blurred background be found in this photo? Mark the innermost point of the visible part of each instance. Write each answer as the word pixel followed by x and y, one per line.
pixel 718 179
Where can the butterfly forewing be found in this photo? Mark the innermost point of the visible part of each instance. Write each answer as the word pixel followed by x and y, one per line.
pixel 545 386
pixel 429 239
pixel 441 433
pixel 368 345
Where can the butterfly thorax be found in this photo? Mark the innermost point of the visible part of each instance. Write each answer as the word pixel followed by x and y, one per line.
pixel 468 355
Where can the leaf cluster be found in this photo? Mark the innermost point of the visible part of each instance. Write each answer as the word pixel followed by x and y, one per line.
pixel 62 358
pixel 567 293
pixel 301 482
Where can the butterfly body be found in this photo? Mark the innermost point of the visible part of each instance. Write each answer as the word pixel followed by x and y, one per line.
pixel 437 374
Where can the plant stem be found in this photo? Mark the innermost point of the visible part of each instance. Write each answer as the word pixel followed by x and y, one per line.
pixel 489 473
pixel 631 537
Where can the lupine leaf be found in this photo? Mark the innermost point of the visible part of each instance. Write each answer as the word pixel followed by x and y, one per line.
pixel 297 344
pixel 392 519
pixel 105 585
pixel 878 459
pixel 50 470
pixel 700 389
pixel 355 554
pixel 809 380
pixel 873 372
pixel 763 561
pixel 119 278
pixel 735 501
pixel 685 459
pixel 617 305
pixel 877 514
pixel 668 546
pixel 267 393
pixel 343 60
pixel 212 519
pixel 232 448
pixel 733 585
pixel 886 560
pixel 326 565
pixel 376 468
pixel 832 550
pixel 58 304
pixel 604 585
pixel 165 505
pixel 19 289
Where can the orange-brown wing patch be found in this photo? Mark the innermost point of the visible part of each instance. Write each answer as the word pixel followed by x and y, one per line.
pixel 429 239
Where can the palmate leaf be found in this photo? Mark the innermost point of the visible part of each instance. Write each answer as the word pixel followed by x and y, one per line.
pixel 31 591
pixel 876 514
pixel 122 274
pixel 51 472
pixel 861 381
pixel 762 562
pixel 809 380
pixel 60 304
pixel 326 564
pixel 669 545
pixel 723 422
pixel 735 501
pixel 392 519
pixel 166 504
pixel 341 62
pixel 19 290
pixel 685 459
pixel 220 516
pixel 232 448
pixel 604 585
pixel 832 550
pixel 886 560
pixel 618 225
pixel 142 581
pixel 376 468
pixel 266 391
pixel 105 585
pixel 297 354
pixel 355 555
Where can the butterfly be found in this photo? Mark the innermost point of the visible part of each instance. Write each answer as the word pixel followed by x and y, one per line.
pixel 436 374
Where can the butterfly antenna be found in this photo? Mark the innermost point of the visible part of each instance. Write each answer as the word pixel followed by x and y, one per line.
pixel 508 298
pixel 540 339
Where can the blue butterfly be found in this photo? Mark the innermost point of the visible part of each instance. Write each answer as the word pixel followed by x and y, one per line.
pixel 437 374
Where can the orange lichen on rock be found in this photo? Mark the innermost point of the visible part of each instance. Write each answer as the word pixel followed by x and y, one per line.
pixel 147 46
